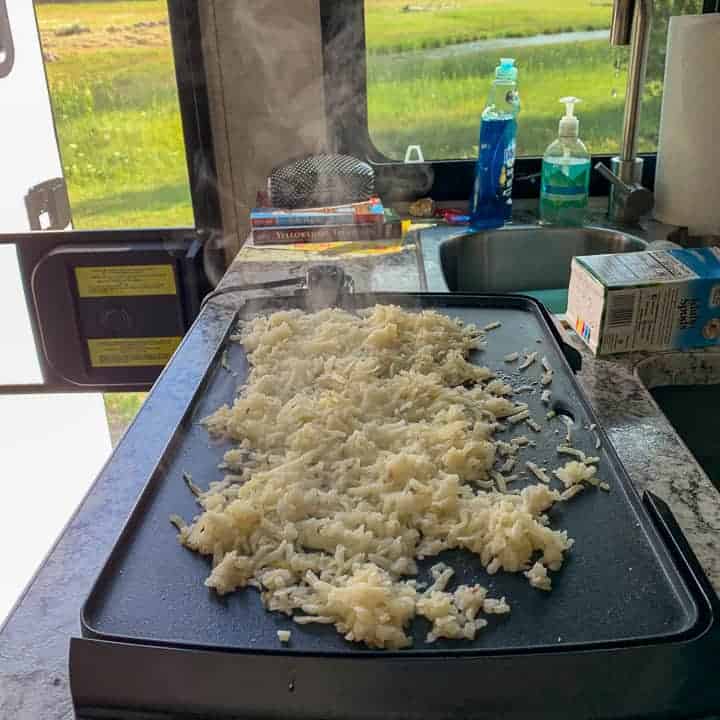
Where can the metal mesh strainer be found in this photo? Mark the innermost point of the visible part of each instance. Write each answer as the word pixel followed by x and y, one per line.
pixel 321 180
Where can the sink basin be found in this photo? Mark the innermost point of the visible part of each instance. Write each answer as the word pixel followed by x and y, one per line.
pixel 528 259
pixel 685 406
pixel 686 389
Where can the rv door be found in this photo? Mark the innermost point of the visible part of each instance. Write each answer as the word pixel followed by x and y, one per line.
pixel 32 188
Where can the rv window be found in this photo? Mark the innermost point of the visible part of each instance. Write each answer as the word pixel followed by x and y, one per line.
pixel 404 75
pixel 429 65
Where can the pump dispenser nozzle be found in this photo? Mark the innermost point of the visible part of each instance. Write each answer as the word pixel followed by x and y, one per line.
pixel 569 124
pixel 506 70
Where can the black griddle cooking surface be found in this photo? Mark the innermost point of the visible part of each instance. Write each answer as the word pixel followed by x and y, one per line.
pixel 618 586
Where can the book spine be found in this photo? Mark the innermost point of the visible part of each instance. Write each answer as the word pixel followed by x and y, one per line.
pixel 374 204
pixel 325 233
pixel 392 230
pixel 313 219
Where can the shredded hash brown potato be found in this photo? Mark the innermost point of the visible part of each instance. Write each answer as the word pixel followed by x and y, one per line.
pixel 364 443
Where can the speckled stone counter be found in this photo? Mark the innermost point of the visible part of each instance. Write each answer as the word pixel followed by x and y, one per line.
pixel 34 640
pixel 655 457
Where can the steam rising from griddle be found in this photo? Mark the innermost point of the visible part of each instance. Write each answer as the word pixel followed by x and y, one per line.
pixel 279 103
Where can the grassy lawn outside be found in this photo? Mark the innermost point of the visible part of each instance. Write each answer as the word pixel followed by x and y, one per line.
pixel 120 409
pixel 112 85
pixel 401 25
pixel 437 103
pixel 435 99
pixel 99 15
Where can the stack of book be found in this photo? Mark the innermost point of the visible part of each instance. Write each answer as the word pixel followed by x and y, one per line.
pixel 363 221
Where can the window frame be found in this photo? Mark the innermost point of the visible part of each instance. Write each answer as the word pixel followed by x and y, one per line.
pixel 345 83
pixel 194 105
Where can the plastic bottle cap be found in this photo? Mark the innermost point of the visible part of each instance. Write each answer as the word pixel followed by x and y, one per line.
pixel 506 70
pixel 569 124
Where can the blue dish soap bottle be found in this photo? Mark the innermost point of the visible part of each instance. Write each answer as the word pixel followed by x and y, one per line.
pixel 565 173
pixel 491 201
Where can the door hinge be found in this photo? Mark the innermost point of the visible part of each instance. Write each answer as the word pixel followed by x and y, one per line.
pixel 7 48
pixel 48 206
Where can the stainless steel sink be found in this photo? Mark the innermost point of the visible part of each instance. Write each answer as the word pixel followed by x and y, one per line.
pixel 529 259
pixel 686 388
pixel 685 406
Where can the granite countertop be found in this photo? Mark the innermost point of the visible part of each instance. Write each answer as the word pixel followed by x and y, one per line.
pixel 34 682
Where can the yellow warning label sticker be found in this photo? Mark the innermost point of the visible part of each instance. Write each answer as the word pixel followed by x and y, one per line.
pixel 131 352
pixel 125 280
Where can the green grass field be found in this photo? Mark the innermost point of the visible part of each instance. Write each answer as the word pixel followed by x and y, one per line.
pixel 121 141
pixel 99 15
pixel 114 96
pixel 437 103
pixel 399 25
pixel 120 409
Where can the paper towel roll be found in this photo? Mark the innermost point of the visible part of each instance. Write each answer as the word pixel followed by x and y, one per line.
pixel 687 181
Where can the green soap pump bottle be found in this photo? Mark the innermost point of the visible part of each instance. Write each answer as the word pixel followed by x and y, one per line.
pixel 565 173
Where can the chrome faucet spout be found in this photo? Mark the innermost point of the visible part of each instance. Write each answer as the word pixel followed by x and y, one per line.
pixel 639 39
pixel 621 26
pixel 631 22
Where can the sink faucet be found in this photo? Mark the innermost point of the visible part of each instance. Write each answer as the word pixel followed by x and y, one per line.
pixel 629 200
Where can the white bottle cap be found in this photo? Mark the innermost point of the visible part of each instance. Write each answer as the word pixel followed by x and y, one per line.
pixel 569 124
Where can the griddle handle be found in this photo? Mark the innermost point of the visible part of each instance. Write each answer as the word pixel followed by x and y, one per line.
pixel 683 555
pixel 573 356
pixel 663 517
